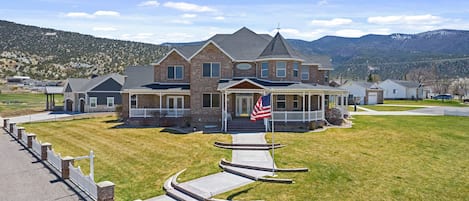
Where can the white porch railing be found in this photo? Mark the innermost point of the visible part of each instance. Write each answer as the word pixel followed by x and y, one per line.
pixel 15 131
pixel 54 160
pixel 164 112
pixel 288 116
pixel 86 183
pixel 36 147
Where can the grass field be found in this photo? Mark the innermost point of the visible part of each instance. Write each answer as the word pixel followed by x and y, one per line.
pixel 14 104
pixel 388 108
pixel 380 158
pixel 427 102
pixel 137 160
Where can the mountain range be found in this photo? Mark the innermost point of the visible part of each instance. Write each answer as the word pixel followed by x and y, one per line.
pixel 45 53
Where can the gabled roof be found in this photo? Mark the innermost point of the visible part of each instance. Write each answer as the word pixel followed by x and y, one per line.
pixel 83 85
pixel 276 85
pixel 138 76
pixel 406 83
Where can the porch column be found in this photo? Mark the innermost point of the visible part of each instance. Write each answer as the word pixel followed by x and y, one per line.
pixel 303 102
pixel 318 101
pixel 222 111
pixel 130 105
pixel 226 110
pixel 323 106
pixel 161 102
pixel 309 106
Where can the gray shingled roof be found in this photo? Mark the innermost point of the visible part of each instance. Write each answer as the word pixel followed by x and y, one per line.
pixel 279 85
pixel 406 83
pixel 246 45
pixel 82 84
pixel 366 85
pixel 138 76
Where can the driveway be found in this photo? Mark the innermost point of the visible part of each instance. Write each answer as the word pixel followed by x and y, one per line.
pixel 24 177
pixel 51 116
pixel 426 111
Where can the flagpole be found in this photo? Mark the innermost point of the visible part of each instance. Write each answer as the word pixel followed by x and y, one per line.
pixel 273 135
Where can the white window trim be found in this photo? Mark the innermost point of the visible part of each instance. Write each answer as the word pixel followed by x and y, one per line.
pixel 281 101
pixel 95 101
pixel 211 100
pixel 136 101
pixel 107 102
pixel 174 97
pixel 277 69
pixel 174 69
pixel 297 102
pixel 211 69
pixel 262 70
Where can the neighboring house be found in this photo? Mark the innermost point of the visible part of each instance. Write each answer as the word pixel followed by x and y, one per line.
pixel 99 94
pixel 366 93
pixel 220 80
pixel 401 89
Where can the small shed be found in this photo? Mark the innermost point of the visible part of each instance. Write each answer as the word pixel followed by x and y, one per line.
pixel 366 93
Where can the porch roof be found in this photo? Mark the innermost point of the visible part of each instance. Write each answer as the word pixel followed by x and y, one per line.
pixel 283 86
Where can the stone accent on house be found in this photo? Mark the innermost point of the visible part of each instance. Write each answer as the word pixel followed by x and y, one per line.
pixel 65 169
pixel 125 106
pixel 44 148
pixel 105 191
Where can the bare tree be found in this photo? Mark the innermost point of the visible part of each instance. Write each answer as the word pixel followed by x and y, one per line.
pixel 421 75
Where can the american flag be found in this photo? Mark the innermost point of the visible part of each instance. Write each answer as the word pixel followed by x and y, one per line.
pixel 262 108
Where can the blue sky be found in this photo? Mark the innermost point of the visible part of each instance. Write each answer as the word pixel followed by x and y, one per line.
pixel 182 21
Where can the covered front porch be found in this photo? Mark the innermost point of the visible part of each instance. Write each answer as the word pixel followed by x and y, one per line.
pixel 289 104
pixel 159 104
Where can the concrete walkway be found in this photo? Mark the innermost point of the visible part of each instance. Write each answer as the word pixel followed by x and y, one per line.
pixel 23 177
pixel 223 182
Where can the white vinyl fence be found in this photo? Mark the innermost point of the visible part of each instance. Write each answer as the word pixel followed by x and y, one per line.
pixel 86 183
pixel 15 131
pixel 54 160
pixel 36 147
pixel 24 138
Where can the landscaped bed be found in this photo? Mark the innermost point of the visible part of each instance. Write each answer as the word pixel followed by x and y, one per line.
pixel 137 160
pixel 380 158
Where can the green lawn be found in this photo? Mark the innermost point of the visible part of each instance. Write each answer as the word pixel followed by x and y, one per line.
pixel 137 160
pixel 427 102
pixel 14 104
pixel 380 158
pixel 388 108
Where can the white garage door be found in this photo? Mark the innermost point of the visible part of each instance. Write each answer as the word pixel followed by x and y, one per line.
pixel 372 98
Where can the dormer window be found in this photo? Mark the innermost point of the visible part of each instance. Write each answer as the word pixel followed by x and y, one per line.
pixel 281 68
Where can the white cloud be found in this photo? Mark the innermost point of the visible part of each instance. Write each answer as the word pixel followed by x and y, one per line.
pixel 137 37
pixel 219 18
pixel 331 23
pixel 189 16
pixel 149 4
pixel 79 15
pixel 405 19
pixel 106 13
pixel 349 33
pixel 104 29
pixel 295 33
pixel 183 6
pixel 95 14
pixel 322 2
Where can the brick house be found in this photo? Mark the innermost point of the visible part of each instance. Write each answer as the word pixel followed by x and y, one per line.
pixel 218 81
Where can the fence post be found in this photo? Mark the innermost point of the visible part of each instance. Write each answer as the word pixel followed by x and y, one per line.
pixel 6 122
pixel 12 127
pixel 65 169
pixel 105 191
pixel 44 148
pixel 21 132
pixel 31 137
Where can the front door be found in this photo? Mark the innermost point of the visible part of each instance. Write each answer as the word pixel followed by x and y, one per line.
pixel 244 105
pixel 175 106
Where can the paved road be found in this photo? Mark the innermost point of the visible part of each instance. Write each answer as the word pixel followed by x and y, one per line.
pixel 223 182
pixel 427 111
pixel 23 177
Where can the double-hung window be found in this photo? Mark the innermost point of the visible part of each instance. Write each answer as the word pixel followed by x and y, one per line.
pixel 264 69
pixel 281 68
pixel 133 101
pixel 175 72
pixel 110 102
pixel 281 102
pixel 304 73
pixel 211 69
pixel 93 102
pixel 211 100
pixel 296 102
pixel 295 69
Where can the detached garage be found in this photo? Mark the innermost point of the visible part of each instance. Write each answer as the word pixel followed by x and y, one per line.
pixel 365 93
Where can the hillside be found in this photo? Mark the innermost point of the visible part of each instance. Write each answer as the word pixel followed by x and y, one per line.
pixel 53 54
pixel 445 52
